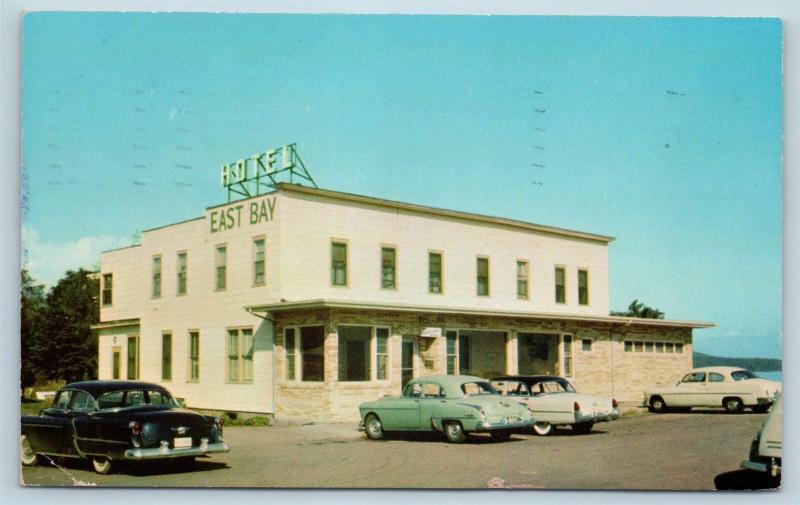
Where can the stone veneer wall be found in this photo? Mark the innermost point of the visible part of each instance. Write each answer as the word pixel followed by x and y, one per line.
pixel 592 371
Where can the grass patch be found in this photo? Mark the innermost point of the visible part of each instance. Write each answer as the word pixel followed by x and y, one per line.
pixel 32 407
pixel 250 421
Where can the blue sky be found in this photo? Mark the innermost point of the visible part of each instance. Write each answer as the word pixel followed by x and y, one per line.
pixel 662 132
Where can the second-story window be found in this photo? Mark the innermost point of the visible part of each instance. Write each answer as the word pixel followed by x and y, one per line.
pixel 483 276
pixel 583 287
pixel 181 273
pixel 156 288
pixel 388 268
pixel 561 293
pixel 338 264
pixel 259 262
pixel 221 262
pixel 522 279
pixel 108 288
pixel 434 272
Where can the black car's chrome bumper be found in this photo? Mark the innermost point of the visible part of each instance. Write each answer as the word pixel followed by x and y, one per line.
pixel 166 452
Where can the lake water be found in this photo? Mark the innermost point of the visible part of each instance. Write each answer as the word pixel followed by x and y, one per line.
pixel 775 376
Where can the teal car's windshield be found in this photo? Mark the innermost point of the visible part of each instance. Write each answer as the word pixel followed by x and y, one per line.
pixel 741 375
pixel 478 388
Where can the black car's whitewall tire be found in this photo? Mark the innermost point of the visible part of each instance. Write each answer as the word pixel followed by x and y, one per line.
pixel 101 464
pixel 373 427
pixel 454 432
pixel 26 454
pixel 542 428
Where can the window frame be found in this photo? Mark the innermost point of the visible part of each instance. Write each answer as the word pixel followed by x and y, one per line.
pixel 564 356
pixel 156 276
pixel 393 248
pixel 563 268
pixel 240 357
pixel 373 353
pixel 263 261
pixel 440 254
pixel 217 248
pixel 340 242
pixel 478 259
pixel 588 298
pixel 591 345
pixel 106 292
pixel 136 360
pixel 166 359
pixel 181 270
pixel 527 278
pixel 190 375
pixel 298 353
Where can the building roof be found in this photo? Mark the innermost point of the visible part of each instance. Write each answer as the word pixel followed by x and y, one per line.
pixel 434 211
pixel 398 307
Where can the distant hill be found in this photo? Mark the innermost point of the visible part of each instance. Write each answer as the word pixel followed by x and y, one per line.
pixel 754 364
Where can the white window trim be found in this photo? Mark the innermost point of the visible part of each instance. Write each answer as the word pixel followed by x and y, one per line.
pixel 298 353
pixel 373 354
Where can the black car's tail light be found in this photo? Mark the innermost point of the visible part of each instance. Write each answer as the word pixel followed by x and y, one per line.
pixel 576 406
pixel 136 427
pixel 220 422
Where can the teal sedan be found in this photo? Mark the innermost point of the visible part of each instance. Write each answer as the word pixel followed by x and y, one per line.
pixel 454 404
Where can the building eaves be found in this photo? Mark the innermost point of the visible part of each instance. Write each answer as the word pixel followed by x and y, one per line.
pixel 115 324
pixel 392 307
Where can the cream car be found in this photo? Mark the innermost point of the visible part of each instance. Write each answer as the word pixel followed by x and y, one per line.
pixel 729 387
pixel 554 402
pixel 766 450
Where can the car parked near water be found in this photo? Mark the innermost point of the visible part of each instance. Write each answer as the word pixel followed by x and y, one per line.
pixel 555 402
pixel 456 405
pixel 766 451
pixel 731 388
pixel 112 421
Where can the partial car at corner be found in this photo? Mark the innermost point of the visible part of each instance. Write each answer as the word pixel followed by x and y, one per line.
pixel 555 402
pixel 456 405
pixel 112 421
pixel 731 388
pixel 766 450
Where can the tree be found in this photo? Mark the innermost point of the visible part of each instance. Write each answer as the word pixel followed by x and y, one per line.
pixel 638 309
pixel 32 309
pixel 68 349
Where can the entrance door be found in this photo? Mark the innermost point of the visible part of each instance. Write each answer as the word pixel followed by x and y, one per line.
pixel 407 362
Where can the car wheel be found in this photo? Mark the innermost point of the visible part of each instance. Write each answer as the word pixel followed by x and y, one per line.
pixel 500 436
pixel 582 428
pixel 732 404
pixel 657 404
pixel 101 464
pixel 26 454
pixel 454 432
pixel 373 427
pixel 760 409
pixel 543 428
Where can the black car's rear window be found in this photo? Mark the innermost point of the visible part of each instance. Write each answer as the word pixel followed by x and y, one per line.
pixel 134 398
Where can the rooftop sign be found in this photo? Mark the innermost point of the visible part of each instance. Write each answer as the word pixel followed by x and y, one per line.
pixel 247 177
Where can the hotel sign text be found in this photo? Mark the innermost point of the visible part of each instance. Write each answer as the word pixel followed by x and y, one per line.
pixel 233 216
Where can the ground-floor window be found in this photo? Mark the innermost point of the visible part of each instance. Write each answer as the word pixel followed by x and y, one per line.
pixel 133 358
pixel 115 363
pixel 537 353
pixel 194 356
pixel 362 349
pixel 166 356
pixel 566 367
pixel 305 353
pixel 653 346
pixel 240 355
pixel 452 337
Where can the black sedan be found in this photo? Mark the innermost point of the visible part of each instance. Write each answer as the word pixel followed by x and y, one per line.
pixel 112 421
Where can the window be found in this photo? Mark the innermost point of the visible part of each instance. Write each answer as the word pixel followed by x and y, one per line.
pixel 483 276
pixel 356 359
pixel 659 347
pixel 388 268
pixel 194 356
pixel 715 377
pixel 567 368
pixel 434 273
pixel 522 279
pixel 115 364
pixel 694 377
pixel 451 337
pixel 258 262
pixel 221 262
pixel 166 356
pixel 561 293
pixel 648 347
pixel 463 355
pixel 678 348
pixel 638 346
pixel 583 287
pixel 668 347
pixel 338 264
pixel 156 284
pixel 586 345
pixel 312 349
pixel 182 273
pixel 382 353
pixel 62 400
pixel 133 358
pixel 291 353
pixel 628 346
pixel 240 355
pixel 81 402
pixel 108 287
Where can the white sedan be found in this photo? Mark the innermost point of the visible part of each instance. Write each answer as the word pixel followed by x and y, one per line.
pixel 720 386
pixel 554 402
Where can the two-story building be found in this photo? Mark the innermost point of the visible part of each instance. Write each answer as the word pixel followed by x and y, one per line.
pixel 301 303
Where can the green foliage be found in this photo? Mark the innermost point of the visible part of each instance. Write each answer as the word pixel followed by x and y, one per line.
pixel 249 421
pixel 57 340
pixel 638 309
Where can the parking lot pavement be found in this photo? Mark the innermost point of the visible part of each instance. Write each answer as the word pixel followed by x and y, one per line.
pixel 668 451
